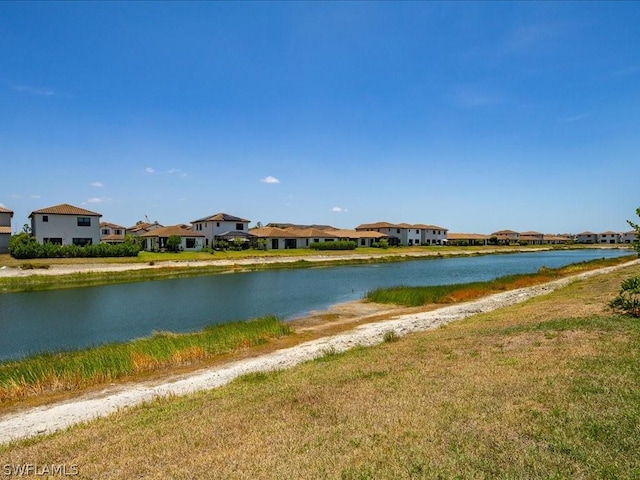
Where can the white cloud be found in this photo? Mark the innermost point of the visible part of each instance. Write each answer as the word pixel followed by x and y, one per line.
pixel 150 170
pixel 471 97
pixel 43 92
pixel 97 184
pixel 339 209
pixel 98 200
pixel 574 118
pixel 269 179
pixel 174 170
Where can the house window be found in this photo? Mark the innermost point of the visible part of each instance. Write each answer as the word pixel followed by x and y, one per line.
pixel 217 224
pixel 84 221
pixel 239 226
pixel 191 243
pixel 45 218
pixel 81 242
pixel 105 231
pixel 53 241
pixel 397 230
pixel 363 242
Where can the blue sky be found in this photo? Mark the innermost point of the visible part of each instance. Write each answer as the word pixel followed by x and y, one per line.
pixel 473 116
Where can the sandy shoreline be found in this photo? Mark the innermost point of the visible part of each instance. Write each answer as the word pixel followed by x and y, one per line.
pixel 61 415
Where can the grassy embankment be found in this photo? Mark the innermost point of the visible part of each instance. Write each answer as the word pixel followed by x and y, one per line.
pixel 549 388
pixel 75 370
pixel 249 260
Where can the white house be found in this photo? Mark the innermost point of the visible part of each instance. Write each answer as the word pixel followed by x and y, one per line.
pixel 66 225
pixel 629 237
pixel 157 238
pixel 432 235
pixel 220 225
pixel 393 231
pixel 406 234
pixel 5 228
pixel 587 237
pixel 608 237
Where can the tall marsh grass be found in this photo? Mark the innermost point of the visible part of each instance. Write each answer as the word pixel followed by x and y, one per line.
pixel 72 370
pixel 409 296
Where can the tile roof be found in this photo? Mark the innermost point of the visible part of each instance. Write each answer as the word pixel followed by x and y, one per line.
pixel 169 231
pixel 467 236
pixel 355 234
pixel 312 233
pixel 271 232
pixel 111 225
pixel 66 209
pixel 221 217
pixel 112 238
pixel 5 210
pixel 5 230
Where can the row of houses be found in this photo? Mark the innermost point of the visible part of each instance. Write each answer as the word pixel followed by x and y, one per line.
pixel 66 224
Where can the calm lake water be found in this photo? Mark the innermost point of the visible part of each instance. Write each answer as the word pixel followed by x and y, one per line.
pixel 79 317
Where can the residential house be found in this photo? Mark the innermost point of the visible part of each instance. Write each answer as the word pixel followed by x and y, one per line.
pixel 221 226
pixel 276 238
pixel 551 239
pixel 142 227
pixel 432 234
pixel 629 237
pixel 506 237
pixel 111 233
pixel 407 234
pixel 587 237
pixel 608 237
pixel 362 239
pixel 65 225
pixel 156 239
pixel 5 228
pixel 532 238
pixel 393 232
pixel 464 239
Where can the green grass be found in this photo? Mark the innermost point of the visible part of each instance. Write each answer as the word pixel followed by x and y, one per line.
pixel 415 296
pixel 72 370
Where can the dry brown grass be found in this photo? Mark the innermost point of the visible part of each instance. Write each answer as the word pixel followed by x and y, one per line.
pixel 514 393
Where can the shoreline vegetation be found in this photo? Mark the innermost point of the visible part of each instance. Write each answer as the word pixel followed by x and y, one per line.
pixel 546 388
pixel 166 352
pixel 48 274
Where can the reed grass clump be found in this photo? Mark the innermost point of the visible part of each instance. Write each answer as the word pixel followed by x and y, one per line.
pixel 72 370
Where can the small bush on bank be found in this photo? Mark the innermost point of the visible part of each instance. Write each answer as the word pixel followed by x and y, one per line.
pixel 628 300
pixel 340 245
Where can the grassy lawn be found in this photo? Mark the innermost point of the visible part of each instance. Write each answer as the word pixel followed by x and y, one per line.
pixel 549 388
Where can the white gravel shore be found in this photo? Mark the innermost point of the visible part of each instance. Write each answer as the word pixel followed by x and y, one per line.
pixel 58 416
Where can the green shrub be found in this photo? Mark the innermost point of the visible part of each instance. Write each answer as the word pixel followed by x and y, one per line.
pixel 24 246
pixel 340 245
pixel 628 300
pixel 384 244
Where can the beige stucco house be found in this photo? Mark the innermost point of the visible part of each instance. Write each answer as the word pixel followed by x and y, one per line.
pixel 66 225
